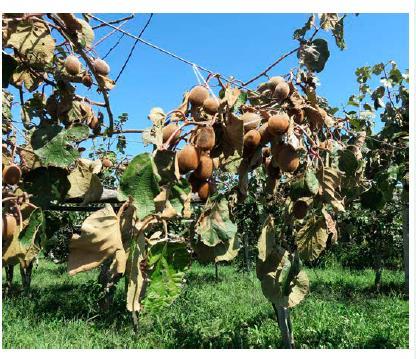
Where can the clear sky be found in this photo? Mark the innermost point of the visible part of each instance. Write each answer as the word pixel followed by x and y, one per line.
pixel 241 45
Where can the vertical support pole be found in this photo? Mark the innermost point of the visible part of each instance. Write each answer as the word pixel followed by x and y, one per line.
pixel 285 326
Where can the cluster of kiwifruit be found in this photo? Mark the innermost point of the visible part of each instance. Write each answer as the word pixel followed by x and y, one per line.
pixel 74 67
pixel 195 158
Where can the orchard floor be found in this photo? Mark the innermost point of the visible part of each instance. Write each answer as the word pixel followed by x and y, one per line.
pixel 342 311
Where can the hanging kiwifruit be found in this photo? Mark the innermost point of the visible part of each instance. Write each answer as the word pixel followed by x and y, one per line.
pixel 281 92
pixel 251 120
pixel 106 163
pixel 265 134
pixel 168 131
pixel 297 113
pixel 188 159
pixel 72 65
pixel 288 159
pixel 210 105
pixel 300 208
pixel 271 170
pixel 101 67
pixel 9 227
pixel 266 151
pixel 194 182
pixel 11 174
pixel 274 81
pixel 205 138
pixel 204 191
pixel 87 80
pixel 205 168
pixel 252 139
pixel 198 95
pixel 278 124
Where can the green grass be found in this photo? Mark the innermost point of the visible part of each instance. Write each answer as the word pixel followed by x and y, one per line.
pixel 341 311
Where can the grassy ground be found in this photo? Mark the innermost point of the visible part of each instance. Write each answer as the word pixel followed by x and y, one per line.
pixel 342 311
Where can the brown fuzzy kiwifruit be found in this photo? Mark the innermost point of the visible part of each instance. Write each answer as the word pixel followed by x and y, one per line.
pixel 205 168
pixel 265 134
pixel 168 131
pixel 278 124
pixel 252 139
pixel 70 21
pixel 11 174
pixel 271 170
pixel 9 227
pixel 251 120
pixel 72 65
pixel 87 80
pixel 101 67
pixel 188 159
pixel 94 124
pixel 211 105
pixel 266 151
pixel 198 95
pixel 300 208
pixel 274 81
pixel 297 113
pixel 204 191
pixel 194 182
pixel 205 138
pixel 106 163
pixel 281 92
pixel 288 159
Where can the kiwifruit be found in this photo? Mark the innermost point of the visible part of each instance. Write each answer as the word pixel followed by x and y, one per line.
pixel 251 120
pixel 204 191
pixel 281 92
pixel 278 124
pixel 52 106
pixel 288 159
pixel 168 130
pixel 205 168
pixel 94 123
pixel 297 113
pixel 9 227
pixel 205 138
pixel 252 139
pixel 101 67
pixel 276 148
pixel 72 65
pixel 274 81
pixel 198 95
pixel 87 80
pixel 194 182
pixel 266 151
pixel 300 208
pixel 210 105
pixel 188 158
pixel 12 174
pixel 265 134
pixel 106 163
pixel 70 21
pixel 271 170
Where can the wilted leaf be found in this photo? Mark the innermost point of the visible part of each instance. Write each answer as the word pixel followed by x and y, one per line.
pixel 214 225
pixel 166 163
pixel 312 182
pixel 223 252
pixel 267 239
pixel 100 238
pixel 180 197
pixel 330 179
pixel 86 34
pixel 300 33
pixel 140 182
pixel 233 136
pixel 314 56
pixel 330 225
pixel 311 239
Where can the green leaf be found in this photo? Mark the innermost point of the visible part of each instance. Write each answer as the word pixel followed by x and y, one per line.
pixel 46 185
pixel 165 165
pixel 57 149
pixel 373 199
pixel 179 194
pixel 311 238
pixel 338 32
pixel 140 182
pixel 241 100
pixel 314 56
pixel 312 182
pixel 214 225
pixel 33 233
pixel 167 262
pixel 86 34
pixel 347 162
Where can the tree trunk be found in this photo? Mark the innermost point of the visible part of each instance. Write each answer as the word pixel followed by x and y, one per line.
pixel 377 280
pixel 246 254
pixel 108 281
pixel 216 271
pixel 26 274
pixel 406 244
pixel 9 277
pixel 285 325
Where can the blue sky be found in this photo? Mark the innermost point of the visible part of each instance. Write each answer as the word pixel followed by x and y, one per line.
pixel 241 45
